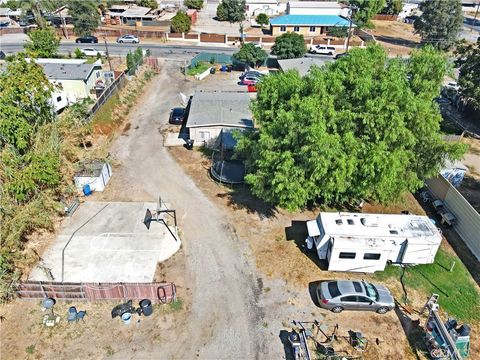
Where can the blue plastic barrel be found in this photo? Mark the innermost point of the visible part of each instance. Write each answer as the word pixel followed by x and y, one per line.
pixel 87 190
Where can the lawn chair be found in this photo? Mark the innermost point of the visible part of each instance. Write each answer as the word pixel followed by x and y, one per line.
pixel 72 314
pixel 81 315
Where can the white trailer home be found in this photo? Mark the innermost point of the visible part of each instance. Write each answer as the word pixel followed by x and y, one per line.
pixel 367 242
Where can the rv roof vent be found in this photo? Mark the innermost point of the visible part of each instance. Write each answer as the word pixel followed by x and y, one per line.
pixel 339 222
pixel 368 222
pixel 394 232
pixel 350 222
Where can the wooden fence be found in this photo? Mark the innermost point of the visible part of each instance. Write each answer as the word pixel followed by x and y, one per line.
pixel 155 291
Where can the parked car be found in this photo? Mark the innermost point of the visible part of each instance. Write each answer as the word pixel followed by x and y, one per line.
pixel 92 52
pixel 339 295
pixel 176 116
pixel 323 50
pixel 87 39
pixel 253 73
pixel 250 80
pixel 339 56
pixel 128 39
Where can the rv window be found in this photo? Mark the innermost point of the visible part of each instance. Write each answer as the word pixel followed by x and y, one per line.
pixel 357 286
pixel 350 222
pixel 394 232
pixel 339 222
pixel 333 289
pixel 349 298
pixel 347 255
pixel 371 256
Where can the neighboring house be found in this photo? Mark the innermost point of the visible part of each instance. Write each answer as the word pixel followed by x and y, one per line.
pixel 307 25
pixel 75 81
pixel 302 65
pixel 210 112
pixel 316 8
pixel 255 7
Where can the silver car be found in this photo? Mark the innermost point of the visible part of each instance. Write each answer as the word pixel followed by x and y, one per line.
pixel 128 39
pixel 342 295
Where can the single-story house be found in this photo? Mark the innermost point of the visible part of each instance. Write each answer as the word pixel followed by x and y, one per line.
pixel 138 15
pixel 75 81
pixel 255 7
pixel 302 65
pixel 210 112
pixel 307 25
pixel 317 8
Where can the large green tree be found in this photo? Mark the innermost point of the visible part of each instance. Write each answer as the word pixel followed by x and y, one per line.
pixel 231 10
pixel 85 16
pixel 153 4
pixel 440 22
pixel 289 45
pixel 25 102
pixel 43 43
pixel 363 128
pixel 193 4
pixel 262 19
pixel 393 7
pixel 251 54
pixel 365 10
pixel 181 23
pixel 469 80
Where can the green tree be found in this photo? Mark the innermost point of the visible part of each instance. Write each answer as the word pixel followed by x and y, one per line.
pixel 193 4
pixel 289 46
pixel 365 10
pixel 363 128
pixel 25 102
pixel 79 54
pixel 440 22
pixel 85 16
pixel 251 55
pixel 43 43
pixel 181 23
pixel 262 19
pixel 469 62
pixel 231 10
pixel 338 31
pixel 153 4
pixel 393 7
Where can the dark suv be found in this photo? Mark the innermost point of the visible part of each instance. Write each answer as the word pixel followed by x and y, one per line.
pixel 87 39
pixel 176 116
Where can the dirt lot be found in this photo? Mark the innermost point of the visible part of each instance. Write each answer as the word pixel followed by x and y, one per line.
pixel 470 187
pixel 398 38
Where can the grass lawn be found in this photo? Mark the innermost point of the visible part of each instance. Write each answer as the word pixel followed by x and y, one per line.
pixel 104 115
pixel 198 69
pixel 459 295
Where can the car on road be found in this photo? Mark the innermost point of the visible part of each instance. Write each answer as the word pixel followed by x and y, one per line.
pixel 323 50
pixel 339 56
pixel 87 39
pixel 176 116
pixel 92 52
pixel 339 295
pixel 254 73
pixel 128 39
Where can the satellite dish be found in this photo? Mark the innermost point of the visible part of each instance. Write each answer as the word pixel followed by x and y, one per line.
pixel 48 303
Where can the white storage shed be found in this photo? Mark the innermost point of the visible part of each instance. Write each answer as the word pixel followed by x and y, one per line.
pixel 367 242
pixel 96 174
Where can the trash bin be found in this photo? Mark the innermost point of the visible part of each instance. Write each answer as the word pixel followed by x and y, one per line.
pixel 126 318
pixel 189 144
pixel 87 190
pixel 146 306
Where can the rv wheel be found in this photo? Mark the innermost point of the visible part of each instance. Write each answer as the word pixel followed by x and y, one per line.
pixel 382 310
pixel 337 309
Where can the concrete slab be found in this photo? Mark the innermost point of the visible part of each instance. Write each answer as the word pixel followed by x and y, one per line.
pixel 174 139
pixel 108 243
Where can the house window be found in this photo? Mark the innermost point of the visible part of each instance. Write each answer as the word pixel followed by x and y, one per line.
pixel 371 256
pixel 312 28
pixel 283 28
pixel 296 28
pixel 347 255
pixel 204 135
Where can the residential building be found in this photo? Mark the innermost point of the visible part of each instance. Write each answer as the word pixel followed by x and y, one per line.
pixel 210 112
pixel 255 7
pixel 302 65
pixel 316 8
pixel 307 25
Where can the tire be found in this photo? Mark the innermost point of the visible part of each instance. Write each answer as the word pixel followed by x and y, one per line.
pixel 92 42
pixel 382 310
pixel 120 41
pixel 337 309
pixel 77 41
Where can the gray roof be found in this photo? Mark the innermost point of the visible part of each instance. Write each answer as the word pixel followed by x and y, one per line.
pixel 301 64
pixel 136 11
pixel 69 71
pixel 227 109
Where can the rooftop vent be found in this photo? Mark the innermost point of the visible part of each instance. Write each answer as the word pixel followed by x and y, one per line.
pixel 339 222
pixel 369 222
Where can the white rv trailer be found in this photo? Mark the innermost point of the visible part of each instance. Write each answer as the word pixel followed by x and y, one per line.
pixel 367 242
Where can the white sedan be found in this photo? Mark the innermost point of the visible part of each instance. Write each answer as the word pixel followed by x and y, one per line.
pixel 92 52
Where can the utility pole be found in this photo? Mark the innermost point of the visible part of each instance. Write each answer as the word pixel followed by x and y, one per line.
pixel 106 52
pixel 350 27
pixel 64 24
pixel 475 18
